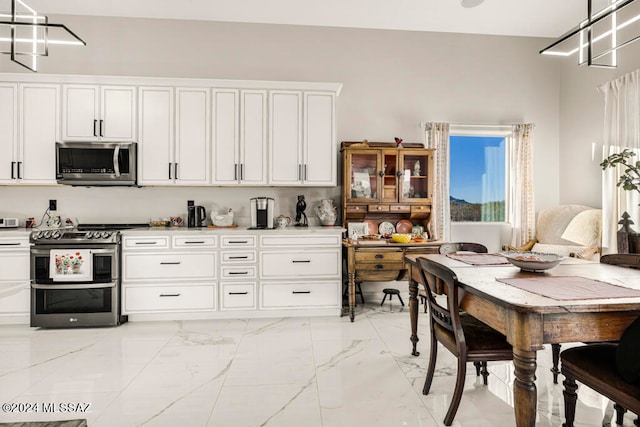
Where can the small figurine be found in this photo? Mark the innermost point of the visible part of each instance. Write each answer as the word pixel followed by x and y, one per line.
pixel 416 168
pixel 301 217
pixel 398 142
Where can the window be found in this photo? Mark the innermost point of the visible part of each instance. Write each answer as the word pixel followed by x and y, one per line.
pixel 477 175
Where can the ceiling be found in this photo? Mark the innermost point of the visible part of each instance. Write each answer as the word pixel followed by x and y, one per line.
pixel 535 18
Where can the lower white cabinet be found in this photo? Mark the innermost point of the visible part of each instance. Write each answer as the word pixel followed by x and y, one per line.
pixel 175 274
pixel 169 273
pixel 14 279
pixel 169 298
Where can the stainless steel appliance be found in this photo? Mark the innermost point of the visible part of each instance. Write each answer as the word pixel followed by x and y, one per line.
pixel 262 212
pixel 201 216
pixel 62 297
pixel 8 222
pixel 96 163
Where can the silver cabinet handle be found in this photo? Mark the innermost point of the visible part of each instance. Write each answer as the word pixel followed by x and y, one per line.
pixel 175 169
pixel 242 171
pixel 194 242
pixel 299 172
pixel 305 172
pixel 238 241
pixel 169 295
pixel 95 128
pixel 296 261
pixel 170 262
pixel 170 170
pixel 146 243
pixel 239 293
pixel 13 172
pixel 9 244
pixel 19 174
pixel 101 127
pixel 239 257
pixel 300 292
pixel 238 272
pixel 235 171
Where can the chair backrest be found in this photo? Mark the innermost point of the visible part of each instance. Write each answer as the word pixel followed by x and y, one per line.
pixel 447 316
pixel 623 260
pixel 448 248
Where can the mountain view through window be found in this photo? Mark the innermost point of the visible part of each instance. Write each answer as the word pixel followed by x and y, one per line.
pixel 477 178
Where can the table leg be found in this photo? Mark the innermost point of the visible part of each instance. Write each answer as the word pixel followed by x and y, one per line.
pixel 524 387
pixel 413 314
pixel 352 295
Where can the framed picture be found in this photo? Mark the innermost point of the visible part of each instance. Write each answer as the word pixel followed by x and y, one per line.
pixel 357 229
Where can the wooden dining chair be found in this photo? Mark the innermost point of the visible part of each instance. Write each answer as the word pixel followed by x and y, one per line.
pixel 610 369
pixel 467 338
pixel 449 248
pixel 623 260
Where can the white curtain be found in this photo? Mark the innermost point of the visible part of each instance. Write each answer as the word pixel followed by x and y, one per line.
pixel 621 130
pixel 520 170
pixel 437 136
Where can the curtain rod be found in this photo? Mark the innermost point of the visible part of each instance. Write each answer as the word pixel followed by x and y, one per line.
pixel 494 126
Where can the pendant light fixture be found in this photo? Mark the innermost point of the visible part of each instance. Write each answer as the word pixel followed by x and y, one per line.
pixel 26 35
pixel 610 26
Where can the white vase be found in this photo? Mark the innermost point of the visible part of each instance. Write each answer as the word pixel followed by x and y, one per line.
pixel 326 212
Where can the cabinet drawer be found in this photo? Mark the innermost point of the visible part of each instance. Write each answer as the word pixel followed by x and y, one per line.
pixel 234 257
pixel 378 208
pixel 169 266
pixel 238 296
pixel 13 243
pixel 420 208
pixel 15 298
pixel 14 267
pixel 357 209
pixel 238 241
pixel 195 241
pixel 400 208
pixel 296 295
pixel 145 243
pixel 306 240
pixel 168 298
pixel 239 272
pixel 380 266
pixel 379 256
pixel 300 264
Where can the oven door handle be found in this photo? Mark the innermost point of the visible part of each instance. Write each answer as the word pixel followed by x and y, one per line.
pixel 77 287
pixel 45 252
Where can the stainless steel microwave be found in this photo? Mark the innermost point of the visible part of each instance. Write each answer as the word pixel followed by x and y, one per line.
pixel 96 163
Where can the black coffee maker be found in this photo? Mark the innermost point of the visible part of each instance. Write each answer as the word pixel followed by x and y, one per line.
pixel 196 215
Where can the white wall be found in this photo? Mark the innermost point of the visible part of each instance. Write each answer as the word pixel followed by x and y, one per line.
pixel 392 81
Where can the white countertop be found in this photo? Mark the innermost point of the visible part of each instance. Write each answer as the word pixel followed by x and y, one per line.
pixel 237 230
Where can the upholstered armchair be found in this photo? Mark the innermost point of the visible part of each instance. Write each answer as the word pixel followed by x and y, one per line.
pixel 568 230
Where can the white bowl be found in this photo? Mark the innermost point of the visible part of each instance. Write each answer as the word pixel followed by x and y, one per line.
pixel 532 261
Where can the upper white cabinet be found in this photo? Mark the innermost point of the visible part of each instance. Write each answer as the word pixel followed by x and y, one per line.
pixel 29 128
pixel 8 132
pixel 93 112
pixel 39 129
pixel 156 110
pixel 239 139
pixel 303 149
pixel 174 136
pixel 192 151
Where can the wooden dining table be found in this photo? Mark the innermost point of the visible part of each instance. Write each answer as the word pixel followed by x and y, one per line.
pixel 529 318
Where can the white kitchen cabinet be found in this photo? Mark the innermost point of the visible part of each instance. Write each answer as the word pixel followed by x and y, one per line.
pixel 239 137
pixel 169 273
pixel 300 271
pixel 174 136
pixel 192 147
pixel 303 148
pixel 156 138
pixel 8 132
pixel 238 273
pixel 39 129
pixel 99 113
pixel 14 280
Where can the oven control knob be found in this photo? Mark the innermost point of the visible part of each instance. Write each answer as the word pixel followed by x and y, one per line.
pixel 89 234
pixel 56 234
pixel 47 234
pixel 38 235
pixel 101 234
pixel 106 234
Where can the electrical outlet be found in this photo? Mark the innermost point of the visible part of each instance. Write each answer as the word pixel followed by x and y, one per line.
pixel 53 205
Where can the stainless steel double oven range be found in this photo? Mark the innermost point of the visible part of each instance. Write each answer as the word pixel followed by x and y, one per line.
pixel 76 277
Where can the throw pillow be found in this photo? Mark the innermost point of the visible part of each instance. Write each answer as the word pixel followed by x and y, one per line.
pixel 584 228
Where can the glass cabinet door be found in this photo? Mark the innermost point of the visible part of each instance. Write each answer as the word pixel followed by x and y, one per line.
pixel 391 176
pixel 414 184
pixel 363 175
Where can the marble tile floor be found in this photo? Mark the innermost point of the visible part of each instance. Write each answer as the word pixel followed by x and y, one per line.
pixel 319 371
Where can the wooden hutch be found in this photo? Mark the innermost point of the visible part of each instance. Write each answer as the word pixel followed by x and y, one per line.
pixel 384 183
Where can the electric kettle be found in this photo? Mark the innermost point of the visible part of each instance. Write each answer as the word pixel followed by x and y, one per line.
pixel 201 216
